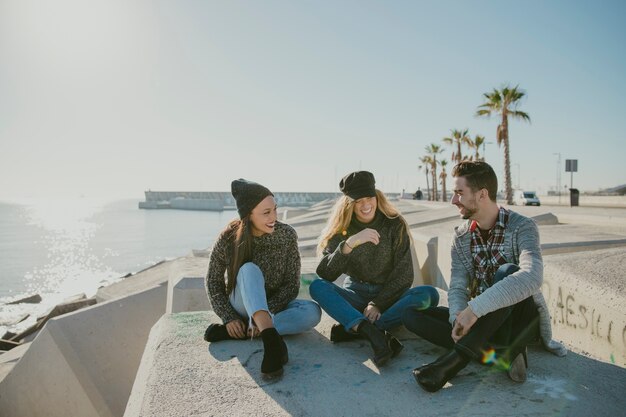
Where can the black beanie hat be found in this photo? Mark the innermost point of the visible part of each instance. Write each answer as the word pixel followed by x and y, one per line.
pixel 358 184
pixel 247 195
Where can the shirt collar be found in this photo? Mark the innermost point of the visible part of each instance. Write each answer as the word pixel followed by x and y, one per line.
pixel 503 217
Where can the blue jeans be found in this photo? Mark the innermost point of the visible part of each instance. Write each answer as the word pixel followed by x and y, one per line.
pixel 346 304
pixel 249 297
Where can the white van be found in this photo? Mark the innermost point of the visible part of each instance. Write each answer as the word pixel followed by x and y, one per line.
pixel 525 198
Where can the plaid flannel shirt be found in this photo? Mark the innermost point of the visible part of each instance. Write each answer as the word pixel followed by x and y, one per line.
pixel 487 256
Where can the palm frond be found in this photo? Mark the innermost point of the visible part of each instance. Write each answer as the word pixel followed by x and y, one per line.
pixel 518 114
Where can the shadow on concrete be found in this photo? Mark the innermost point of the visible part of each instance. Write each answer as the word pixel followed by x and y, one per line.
pixel 188 377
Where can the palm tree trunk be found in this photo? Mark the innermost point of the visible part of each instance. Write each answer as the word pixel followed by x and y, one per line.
pixel 443 186
pixel 434 185
pixel 458 154
pixel 427 185
pixel 507 160
pixel 435 179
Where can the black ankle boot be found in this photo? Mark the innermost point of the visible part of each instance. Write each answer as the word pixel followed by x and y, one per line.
pixel 517 368
pixel 394 344
pixel 378 341
pixel 435 375
pixel 339 334
pixel 275 353
pixel 216 332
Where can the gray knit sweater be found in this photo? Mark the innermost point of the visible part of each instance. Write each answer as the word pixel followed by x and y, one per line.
pixel 276 254
pixel 388 264
pixel 521 247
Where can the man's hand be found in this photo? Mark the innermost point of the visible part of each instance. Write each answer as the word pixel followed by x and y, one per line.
pixel 463 323
pixel 236 329
pixel 372 313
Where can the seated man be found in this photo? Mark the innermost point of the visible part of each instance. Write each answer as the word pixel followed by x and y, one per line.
pixel 495 304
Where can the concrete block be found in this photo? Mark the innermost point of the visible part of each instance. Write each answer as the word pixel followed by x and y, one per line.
pixel 84 363
pixel 546 219
pixel 586 299
pixel 425 254
pixel 186 291
pixel 181 375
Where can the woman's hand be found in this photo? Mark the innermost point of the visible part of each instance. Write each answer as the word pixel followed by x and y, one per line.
pixel 372 313
pixel 364 236
pixel 236 329
pixel 253 332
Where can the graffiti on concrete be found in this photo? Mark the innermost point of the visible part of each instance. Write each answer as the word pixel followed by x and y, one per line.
pixel 582 315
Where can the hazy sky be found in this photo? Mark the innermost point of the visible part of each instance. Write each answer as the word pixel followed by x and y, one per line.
pixel 110 98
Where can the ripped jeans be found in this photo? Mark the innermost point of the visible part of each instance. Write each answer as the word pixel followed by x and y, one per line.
pixel 249 297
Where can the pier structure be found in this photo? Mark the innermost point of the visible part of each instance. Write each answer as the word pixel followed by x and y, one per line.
pixel 223 200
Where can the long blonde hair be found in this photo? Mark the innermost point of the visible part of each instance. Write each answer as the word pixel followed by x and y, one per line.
pixel 341 216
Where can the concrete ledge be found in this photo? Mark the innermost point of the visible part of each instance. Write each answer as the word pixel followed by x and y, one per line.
pixel 589 316
pixel 83 363
pixel 426 248
pixel 180 374
pixel 568 247
pixel 185 290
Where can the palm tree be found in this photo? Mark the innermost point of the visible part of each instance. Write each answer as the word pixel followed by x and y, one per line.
pixel 427 162
pixel 504 103
pixel 434 150
pixel 476 144
pixel 442 177
pixel 458 138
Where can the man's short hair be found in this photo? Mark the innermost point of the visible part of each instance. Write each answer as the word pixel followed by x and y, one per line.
pixel 478 175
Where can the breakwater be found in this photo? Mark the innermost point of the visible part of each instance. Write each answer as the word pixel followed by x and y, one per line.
pixel 222 200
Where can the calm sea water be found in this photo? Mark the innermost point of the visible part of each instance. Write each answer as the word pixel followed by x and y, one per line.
pixel 59 248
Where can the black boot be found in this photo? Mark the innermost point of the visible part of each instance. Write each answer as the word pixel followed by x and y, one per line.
pixel 435 375
pixel 275 353
pixel 394 344
pixel 339 334
pixel 216 332
pixel 519 365
pixel 378 341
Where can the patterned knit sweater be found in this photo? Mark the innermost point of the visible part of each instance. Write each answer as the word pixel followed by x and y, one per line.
pixel 388 264
pixel 276 254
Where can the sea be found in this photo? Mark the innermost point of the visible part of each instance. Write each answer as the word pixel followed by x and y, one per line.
pixel 59 248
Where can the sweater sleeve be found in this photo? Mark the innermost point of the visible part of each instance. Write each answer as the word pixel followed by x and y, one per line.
pixel 333 262
pixel 291 277
pixel 215 284
pixel 458 293
pixel 521 284
pixel 401 276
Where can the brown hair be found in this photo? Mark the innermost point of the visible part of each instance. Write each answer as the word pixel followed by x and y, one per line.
pixel 239 232
pixel 478 175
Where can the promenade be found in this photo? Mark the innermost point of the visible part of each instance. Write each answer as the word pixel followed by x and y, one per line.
pixel 139 351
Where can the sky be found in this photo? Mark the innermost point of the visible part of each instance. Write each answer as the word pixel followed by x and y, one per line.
pixel 112 98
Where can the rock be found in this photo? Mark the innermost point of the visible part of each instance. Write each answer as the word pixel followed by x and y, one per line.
pixel 8 344
pixel 8 335
pixel 31 299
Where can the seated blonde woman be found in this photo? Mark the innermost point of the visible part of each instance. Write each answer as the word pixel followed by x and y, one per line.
pixel 368 240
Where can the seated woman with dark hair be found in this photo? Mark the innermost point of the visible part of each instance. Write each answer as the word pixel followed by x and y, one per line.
pixel 262 264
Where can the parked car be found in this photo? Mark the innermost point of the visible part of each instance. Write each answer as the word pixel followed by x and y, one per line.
pixel 525 198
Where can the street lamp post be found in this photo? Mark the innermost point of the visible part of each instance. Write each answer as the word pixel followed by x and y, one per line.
pixel 558 174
